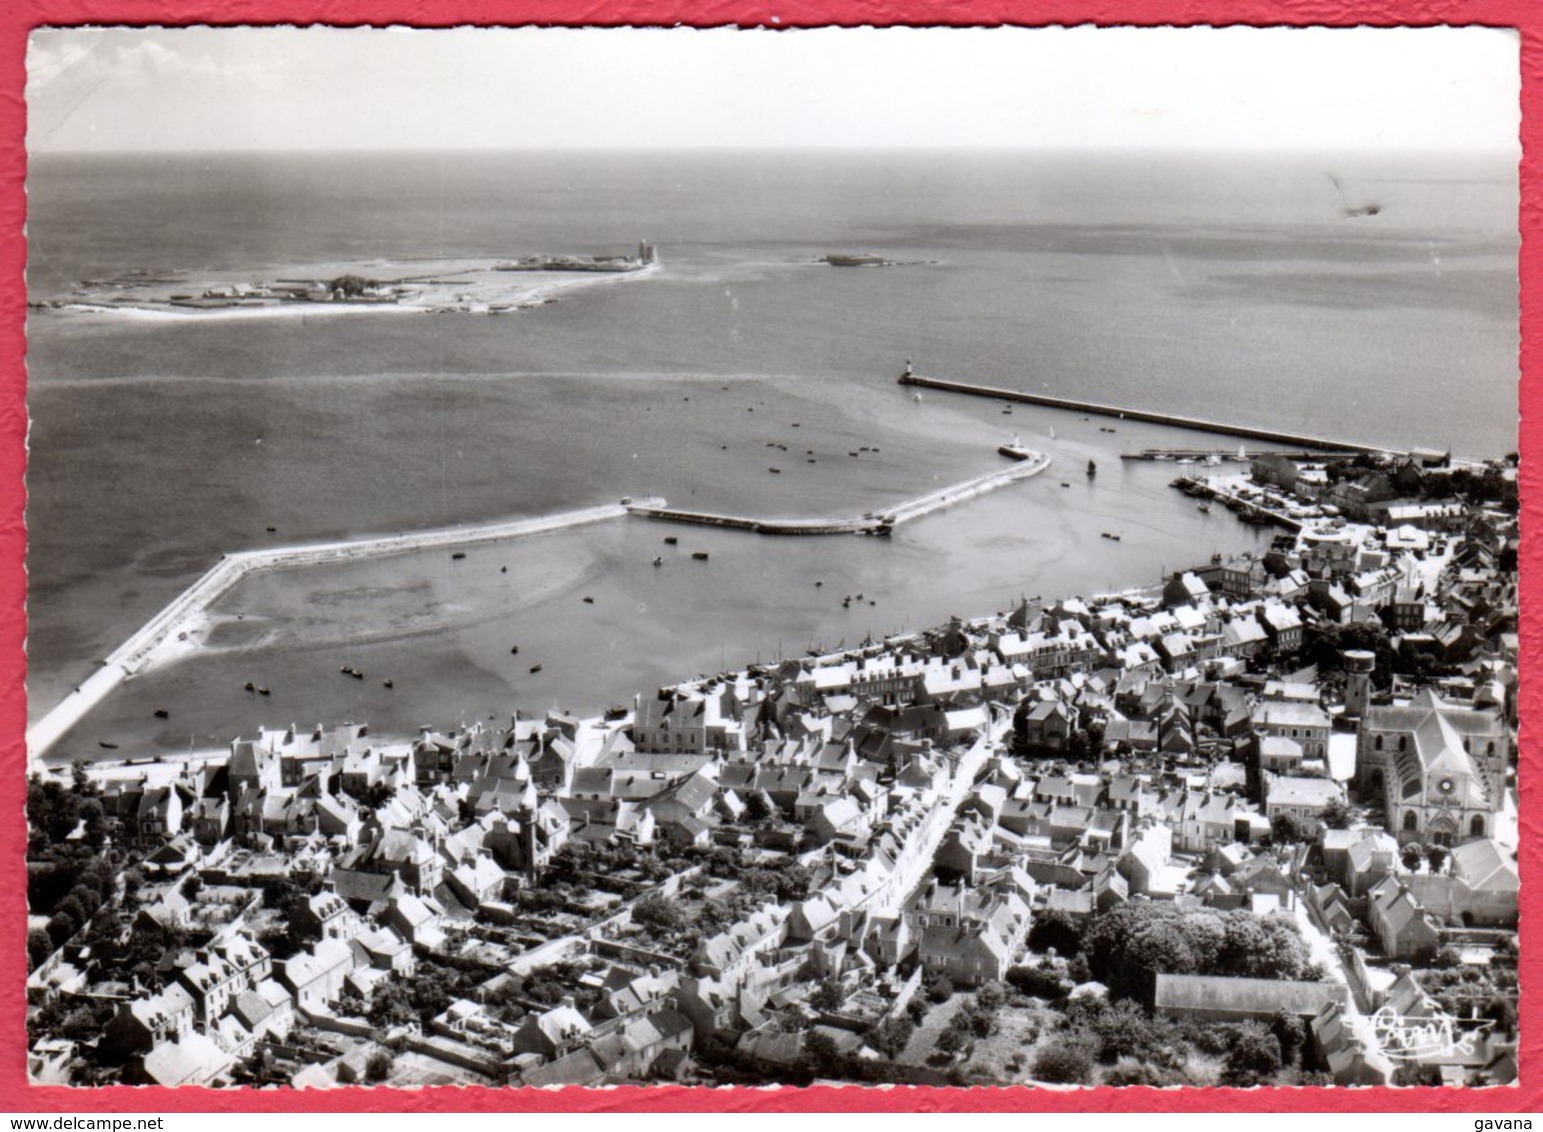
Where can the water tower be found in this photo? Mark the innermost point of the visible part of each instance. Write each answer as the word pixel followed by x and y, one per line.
pixel 1359 666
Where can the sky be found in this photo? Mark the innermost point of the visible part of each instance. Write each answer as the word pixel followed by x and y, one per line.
pixel 178 89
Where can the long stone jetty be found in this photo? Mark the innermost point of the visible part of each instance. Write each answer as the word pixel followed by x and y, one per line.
pixel 1029 464
pixel 160 635
pixel 1249 432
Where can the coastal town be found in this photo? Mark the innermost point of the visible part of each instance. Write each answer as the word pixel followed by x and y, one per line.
pixel 1254 825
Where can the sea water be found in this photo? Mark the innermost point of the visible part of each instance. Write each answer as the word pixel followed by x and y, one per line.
pixel 1229 287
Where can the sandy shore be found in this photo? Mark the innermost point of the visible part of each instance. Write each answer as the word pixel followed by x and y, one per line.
pixel 179 628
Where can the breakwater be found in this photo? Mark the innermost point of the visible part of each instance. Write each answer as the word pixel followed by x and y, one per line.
pixel 874 522
pixel 1248 432
pixel 161 636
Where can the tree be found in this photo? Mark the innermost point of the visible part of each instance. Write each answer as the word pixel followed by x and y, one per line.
pixel 660 912
pixel 758 807
pixel 990 997
pixel 1126 948
pixel 1055 930
pixel 80 1025
pixel 1254 1057
pixel 1447 959
pixel 80 778
pixel 1291 1032
pixel 1128 1073
pixel 1500 1011
pixel 39 948
pixel 953 1040
pixel 828 995
pixel 1411 855
pixel 891 1036
pixel 1437 855
pixel 940 989
pixel 1038 982
pixel 1063 1063
pixel 378 794
pixel 378 1067
pixel 820 1050
pixel 1338 814
pixel 1287 828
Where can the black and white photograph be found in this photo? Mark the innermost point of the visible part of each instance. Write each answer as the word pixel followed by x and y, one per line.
pixel 842 556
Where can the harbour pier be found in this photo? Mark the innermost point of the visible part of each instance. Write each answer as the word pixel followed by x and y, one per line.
pixel 874 522
pixel 1248 432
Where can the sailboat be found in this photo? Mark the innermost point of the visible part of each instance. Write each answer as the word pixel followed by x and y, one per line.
pixel 1052 432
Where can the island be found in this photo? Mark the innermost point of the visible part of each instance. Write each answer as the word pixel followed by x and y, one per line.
pixel 435 286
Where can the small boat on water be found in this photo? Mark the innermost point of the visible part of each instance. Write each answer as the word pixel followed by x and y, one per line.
pixel 162 713
pixel 105 744
pixel 1092 469
pixel 458 555
pixel 1111 537
pixel 589 601
pixel 658 561
pixel 535 668
pixel 387 684
pixel 272 529
pixel 671 540
pixel 251 687
pixel 775 471
pixel 503 569
pixel 700 555
pixel 1206 507
pixel 264 692
pixel 515 651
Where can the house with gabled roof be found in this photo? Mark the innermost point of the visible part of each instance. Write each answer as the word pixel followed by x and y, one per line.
pixel 316 977
pixel 1402 926
pixel 1344 1042
pixel 141 1024
pixel 551 1033
pixel 191 1059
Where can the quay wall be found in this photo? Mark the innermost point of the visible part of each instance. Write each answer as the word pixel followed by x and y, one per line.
pixel 1248 432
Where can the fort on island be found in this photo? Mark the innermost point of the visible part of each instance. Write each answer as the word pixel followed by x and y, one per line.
pixel 1255 824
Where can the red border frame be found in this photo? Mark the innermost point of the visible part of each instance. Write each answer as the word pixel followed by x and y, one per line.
pixel 21 16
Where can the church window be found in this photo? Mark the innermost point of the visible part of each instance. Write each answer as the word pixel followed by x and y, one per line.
pixel 1476 828
pixel 1377 743
pixel 1411 822
pixel 1403 742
